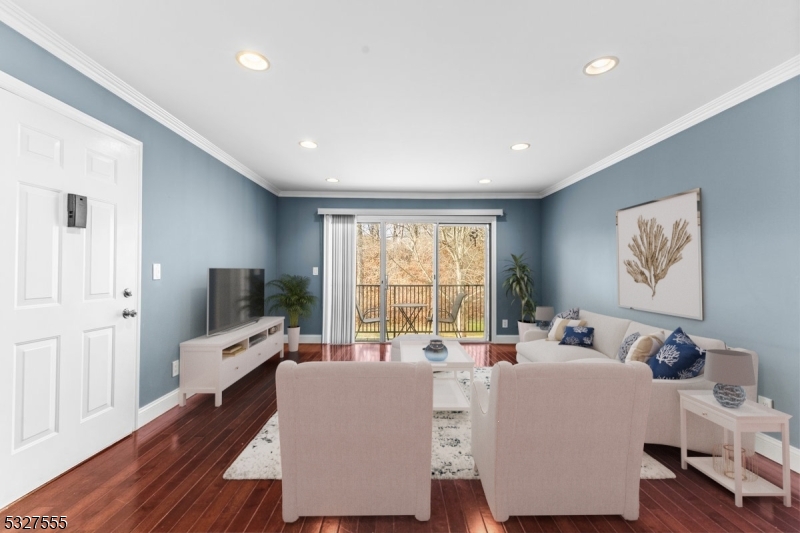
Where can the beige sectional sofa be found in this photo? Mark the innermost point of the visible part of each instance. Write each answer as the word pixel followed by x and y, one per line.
pixel 663 422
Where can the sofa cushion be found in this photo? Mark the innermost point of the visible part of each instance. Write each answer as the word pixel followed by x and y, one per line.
pixel 572 314
pixel 679 358
pixel 578 336
pixel 560 325
pixel 543 351
pixel 703 342
pixel 645 347
pixel 608 331
pixel 625 347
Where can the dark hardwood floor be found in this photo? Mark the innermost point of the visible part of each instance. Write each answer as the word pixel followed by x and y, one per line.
pixel 168 477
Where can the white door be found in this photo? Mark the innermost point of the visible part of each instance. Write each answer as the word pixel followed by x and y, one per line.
pixel 67 355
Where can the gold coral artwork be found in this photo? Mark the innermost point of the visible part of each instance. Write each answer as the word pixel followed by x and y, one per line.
pixel 659 270
pixel 655 253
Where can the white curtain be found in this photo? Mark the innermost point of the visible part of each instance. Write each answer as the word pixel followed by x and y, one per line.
pixel 339 280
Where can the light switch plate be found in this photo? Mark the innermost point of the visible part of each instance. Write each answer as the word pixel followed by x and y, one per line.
pixel 315 271
pixel 156 270
pixel 505 323
pixel 176 367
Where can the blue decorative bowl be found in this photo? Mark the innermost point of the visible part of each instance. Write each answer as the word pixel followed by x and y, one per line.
pixel 435 355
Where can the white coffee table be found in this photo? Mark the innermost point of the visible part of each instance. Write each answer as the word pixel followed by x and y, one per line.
pixel 447 393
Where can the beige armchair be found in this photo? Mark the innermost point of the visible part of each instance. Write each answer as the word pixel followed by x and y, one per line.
pixel 355 438
pixel 561 438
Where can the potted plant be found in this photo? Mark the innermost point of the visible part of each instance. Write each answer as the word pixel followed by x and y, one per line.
pixel 519 285
pixel 293 297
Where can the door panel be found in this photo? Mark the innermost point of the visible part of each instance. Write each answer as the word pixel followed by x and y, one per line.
pixel 368 282
pixel 462 263
pixel 100 258
pixel 101 167
pixel 39 239
pixel 69 390
pixel 98 371
pixel 409 278
pixel 36 387
pixel 39 145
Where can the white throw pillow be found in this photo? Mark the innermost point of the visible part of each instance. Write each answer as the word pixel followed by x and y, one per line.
pixel 559 325
pixel 645 347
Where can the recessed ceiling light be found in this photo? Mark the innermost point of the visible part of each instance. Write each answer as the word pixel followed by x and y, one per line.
pixel 600 65
pixel 332 180
pixel 484 181
pixel 252 60
pixel 520 146
pixel 308 144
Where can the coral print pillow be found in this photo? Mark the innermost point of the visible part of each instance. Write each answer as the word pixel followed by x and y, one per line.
pixel 679 358
pixel 578 336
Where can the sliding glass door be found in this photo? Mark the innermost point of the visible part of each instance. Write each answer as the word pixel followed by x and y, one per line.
pixel 463 264
pixel 421 277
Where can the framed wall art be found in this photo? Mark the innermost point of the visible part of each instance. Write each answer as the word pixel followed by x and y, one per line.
pixel 659 267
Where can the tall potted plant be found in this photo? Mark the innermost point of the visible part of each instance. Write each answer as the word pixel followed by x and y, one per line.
pixel 519 285
pixel 293 297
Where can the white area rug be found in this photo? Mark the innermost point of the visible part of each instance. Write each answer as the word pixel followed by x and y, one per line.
pixel 451 448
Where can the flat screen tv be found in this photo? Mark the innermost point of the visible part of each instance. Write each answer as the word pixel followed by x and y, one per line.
pixel 235 298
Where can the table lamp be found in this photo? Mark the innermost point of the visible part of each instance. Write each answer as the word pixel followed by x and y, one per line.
pixel 732 371
pixel 544 314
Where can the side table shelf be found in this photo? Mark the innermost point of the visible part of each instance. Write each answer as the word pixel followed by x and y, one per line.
pixel 749 418
pixel 212 364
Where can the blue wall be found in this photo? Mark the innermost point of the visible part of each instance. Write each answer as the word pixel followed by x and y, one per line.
pixel 300 241
pixel 746 160
pixel 197 212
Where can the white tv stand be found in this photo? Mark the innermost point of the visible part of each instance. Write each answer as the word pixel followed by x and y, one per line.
pixel 204 367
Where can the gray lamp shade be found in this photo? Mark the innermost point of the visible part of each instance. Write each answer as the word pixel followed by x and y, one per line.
pixel 730 367
pixel 545 314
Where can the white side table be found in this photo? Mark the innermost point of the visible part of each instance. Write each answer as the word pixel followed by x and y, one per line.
pixel 748 418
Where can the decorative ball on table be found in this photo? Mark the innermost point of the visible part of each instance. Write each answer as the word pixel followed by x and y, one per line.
pixel 436 350
pixel 732 370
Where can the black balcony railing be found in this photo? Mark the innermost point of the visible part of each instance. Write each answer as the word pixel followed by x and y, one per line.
pixel 409 310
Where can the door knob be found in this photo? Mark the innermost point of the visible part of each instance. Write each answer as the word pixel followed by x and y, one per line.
pixel 127 293
pixel 129 313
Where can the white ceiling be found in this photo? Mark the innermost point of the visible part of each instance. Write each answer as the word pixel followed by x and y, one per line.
pixel 424 95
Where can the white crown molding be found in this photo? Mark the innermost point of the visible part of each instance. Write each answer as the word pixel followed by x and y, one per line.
pixel 19 20
pixel 783 72
pixel 411 195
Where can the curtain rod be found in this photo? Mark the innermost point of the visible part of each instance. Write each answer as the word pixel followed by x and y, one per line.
pixel 411 212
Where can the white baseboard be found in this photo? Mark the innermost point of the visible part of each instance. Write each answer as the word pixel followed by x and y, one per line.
pixel 771 448
pixel 506 339
pixel 156 408
pixel 306 339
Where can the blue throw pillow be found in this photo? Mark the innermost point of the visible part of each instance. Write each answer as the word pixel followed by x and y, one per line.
pixel 625 347
pixel 578 336
pixel 570 314
pixel 679 358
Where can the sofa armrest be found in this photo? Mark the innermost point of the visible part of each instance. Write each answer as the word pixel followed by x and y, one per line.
pixel 534 334
pixel 480 396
